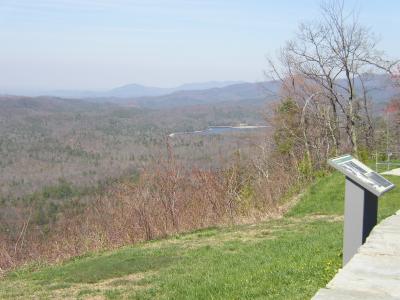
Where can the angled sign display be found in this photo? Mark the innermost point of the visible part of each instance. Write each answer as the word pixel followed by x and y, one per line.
pixel 361 174
pixel 363 187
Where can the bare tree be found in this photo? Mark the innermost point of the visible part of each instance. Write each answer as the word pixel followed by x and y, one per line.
pixel 332 55
pixel 396 75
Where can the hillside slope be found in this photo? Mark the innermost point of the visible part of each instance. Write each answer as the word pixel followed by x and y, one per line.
pixel 286 258
pixel 237 93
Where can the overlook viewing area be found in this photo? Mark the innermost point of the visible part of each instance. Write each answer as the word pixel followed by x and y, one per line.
pixel 292 256
pixel 374 272
pixel 196 150
pixel 371 254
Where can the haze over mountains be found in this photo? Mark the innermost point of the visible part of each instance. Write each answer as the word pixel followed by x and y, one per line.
pixel 257 93
pixel 126 91
pixel 379 91
pixel 379 88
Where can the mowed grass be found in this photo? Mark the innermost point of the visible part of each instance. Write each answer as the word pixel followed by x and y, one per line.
pixel 287 258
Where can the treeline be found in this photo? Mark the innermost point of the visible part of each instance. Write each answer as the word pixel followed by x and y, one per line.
pixel 168 198
pixel 45 139
pixel 318 114
pixel 325 106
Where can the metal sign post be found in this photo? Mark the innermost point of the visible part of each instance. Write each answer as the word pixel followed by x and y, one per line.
pixel 363 187
pixel 360 216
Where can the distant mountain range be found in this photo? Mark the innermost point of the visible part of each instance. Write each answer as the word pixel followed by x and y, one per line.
pixel 126 91
pixel 241 92
pixel 379 87
pixel 380 91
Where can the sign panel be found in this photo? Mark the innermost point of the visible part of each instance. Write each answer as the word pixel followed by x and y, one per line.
pixel 361 174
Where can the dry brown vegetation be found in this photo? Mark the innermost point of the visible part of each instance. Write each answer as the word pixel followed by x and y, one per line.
pixel 44 140
pixel 324 71
pixel 321 113
pixel 57 155
pixel 168 198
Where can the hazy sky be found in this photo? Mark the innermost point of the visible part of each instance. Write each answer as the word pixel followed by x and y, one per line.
pixel 99 44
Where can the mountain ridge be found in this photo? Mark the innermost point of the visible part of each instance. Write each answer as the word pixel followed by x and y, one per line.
pixel 380 91
pixel 124 91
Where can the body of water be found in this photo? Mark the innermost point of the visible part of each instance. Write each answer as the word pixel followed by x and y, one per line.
pixel 218 130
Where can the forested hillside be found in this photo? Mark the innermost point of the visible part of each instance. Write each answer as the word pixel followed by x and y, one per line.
pixel 288 257
pixel 95 174
pixel 44 140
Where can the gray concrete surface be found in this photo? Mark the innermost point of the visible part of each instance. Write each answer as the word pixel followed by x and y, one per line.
pixel 395 172
pixel 374 272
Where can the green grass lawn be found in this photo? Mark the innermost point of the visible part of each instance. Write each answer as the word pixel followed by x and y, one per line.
pixel 287 258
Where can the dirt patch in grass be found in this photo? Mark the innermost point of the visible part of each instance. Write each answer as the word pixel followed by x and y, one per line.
pixel 95 298
pixel 124 284
pixel 244 233
pixel 317 217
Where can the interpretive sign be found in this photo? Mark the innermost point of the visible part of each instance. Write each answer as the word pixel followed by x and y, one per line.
pixel 361 174
pixel 363 187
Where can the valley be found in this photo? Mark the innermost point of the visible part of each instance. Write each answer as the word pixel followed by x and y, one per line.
pixel 86 143
pixel 186 149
